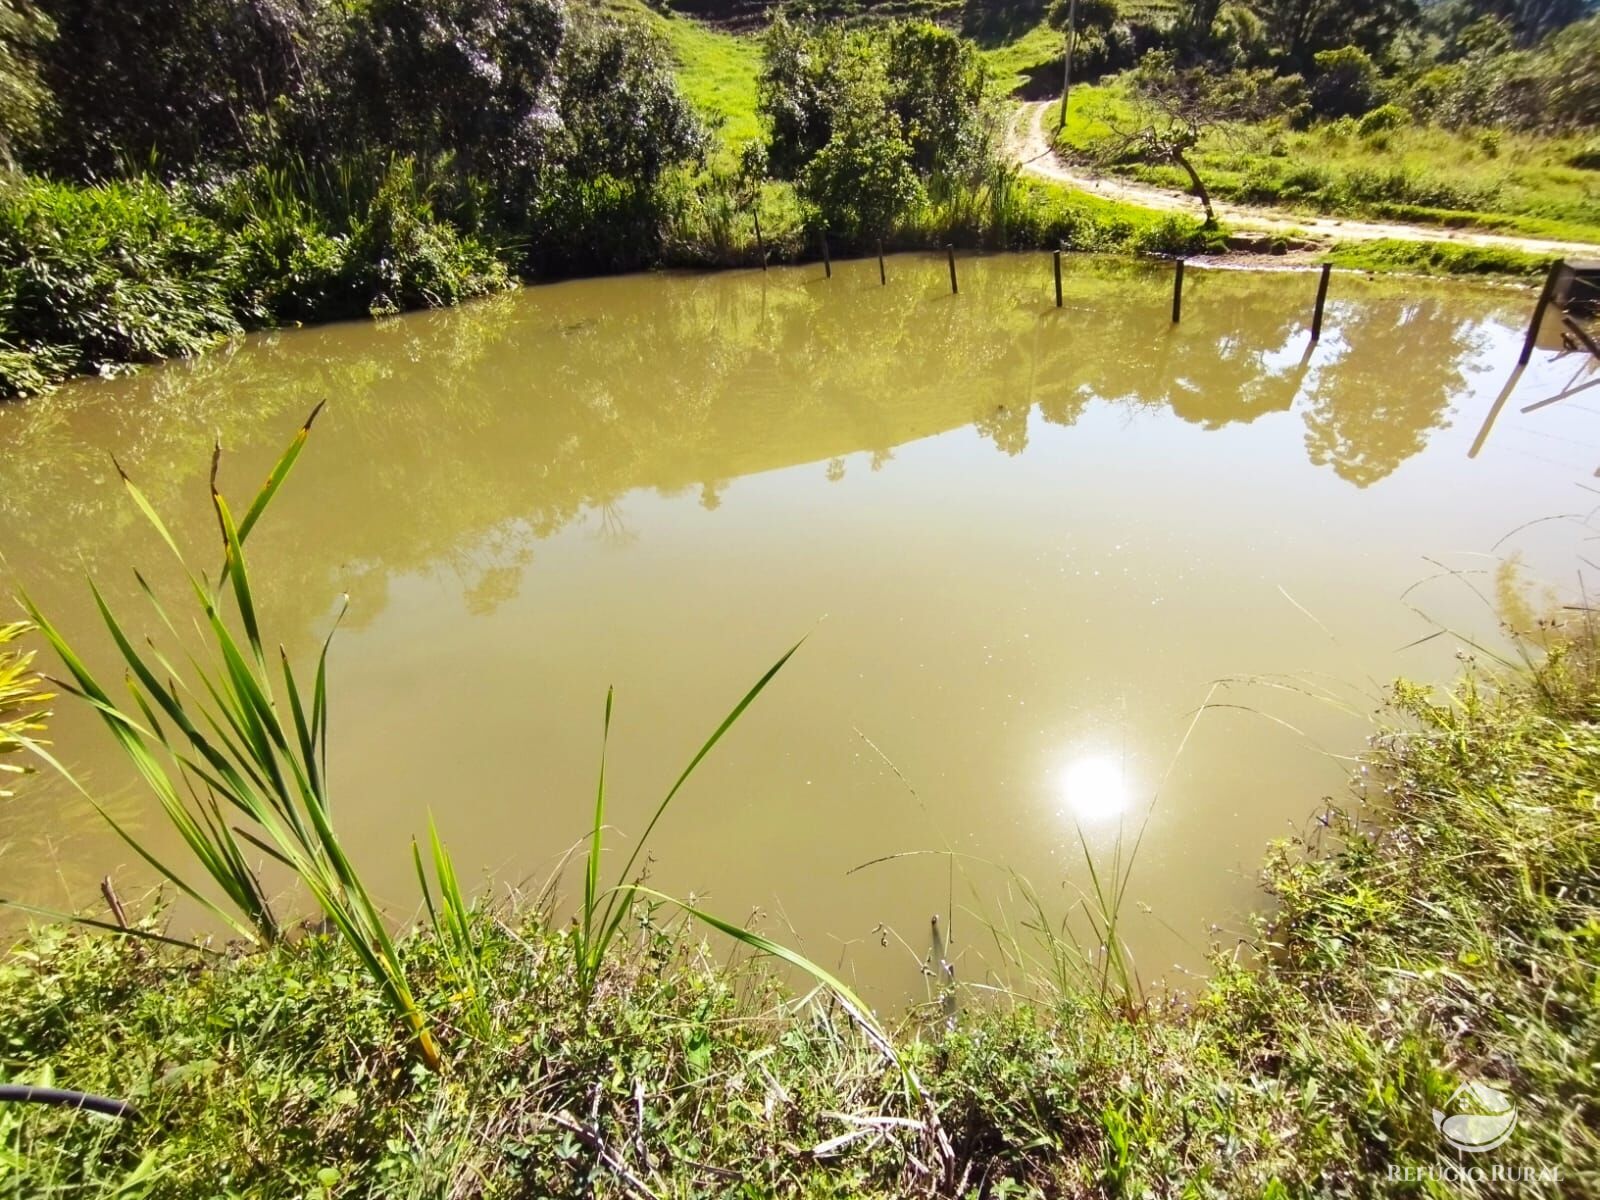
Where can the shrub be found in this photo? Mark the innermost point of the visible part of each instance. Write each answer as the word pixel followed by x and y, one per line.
pixel 1587 156
pixel 1383 118
pixel 399 257
pixel 115 273
pixel 1344 82
pixel 861 181
pixel 287 267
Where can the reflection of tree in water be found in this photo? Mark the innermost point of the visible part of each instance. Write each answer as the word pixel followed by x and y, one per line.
pixel 614 529
pixel 1006 426
pixel 529 411
pixel 493 588
pixel 492 571
pixel 1213 370
pixel 1390 384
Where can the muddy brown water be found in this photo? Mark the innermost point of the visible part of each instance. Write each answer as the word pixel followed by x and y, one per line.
pixel 1071 572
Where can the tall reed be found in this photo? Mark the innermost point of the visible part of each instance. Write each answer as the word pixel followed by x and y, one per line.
pixel 603 911
pixel 221 745
pixel 226 747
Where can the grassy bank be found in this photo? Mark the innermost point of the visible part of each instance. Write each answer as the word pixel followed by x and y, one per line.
pixel 1455 940
pixel 1384 166
pixel 94 279
pixel 1437 258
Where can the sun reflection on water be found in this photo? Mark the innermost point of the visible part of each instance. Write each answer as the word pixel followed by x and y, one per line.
pixel 1094 789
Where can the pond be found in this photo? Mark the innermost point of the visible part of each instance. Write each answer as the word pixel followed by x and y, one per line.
pixel 1064 575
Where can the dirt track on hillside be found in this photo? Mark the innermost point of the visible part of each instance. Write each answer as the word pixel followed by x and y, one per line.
pixel 1029 146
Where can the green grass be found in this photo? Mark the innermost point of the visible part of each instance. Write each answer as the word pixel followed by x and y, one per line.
pixel 1436 258
pixel 1454 940
pixel 1014 62
pixel 717 70
pixel 1493 180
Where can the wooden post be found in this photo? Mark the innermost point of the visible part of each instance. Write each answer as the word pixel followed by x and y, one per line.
pixel 1538 311
pixel 950 253
pixel 1322 298
pixel 827 263
pixel 1177 293
pixel 761 247
pixel 1058 279
pixel 883 276
pixel 1066 74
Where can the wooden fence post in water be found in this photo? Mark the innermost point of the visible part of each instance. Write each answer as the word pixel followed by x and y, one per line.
pixel 827 263
pixel 1538 310
pixel 950 253
pixel 761 247
pixel 1058 278
pixel 1322 298
pixel 1177 293
pixel 883 276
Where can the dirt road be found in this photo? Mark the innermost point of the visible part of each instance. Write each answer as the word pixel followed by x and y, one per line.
pixel 1030 148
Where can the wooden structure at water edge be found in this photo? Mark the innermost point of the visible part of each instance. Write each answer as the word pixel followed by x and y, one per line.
pixel 1572 291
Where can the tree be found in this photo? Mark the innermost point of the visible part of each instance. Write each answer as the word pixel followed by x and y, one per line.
pixel 620 104
pixel 1345 84
pixel 179 82
pixel 1200 16
pixel 1177 107
pixel 1300 28
pixel 803 74
pixel 476 79
pixel 1528 20
pixel 866 121
pixel 23 98
pixel 862 180
pixel 937 82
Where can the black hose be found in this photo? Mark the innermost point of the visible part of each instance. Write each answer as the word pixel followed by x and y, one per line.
pixel 43 1095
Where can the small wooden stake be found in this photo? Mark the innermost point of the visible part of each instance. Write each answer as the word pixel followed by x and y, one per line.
pixel 827 263
pixel 761 247
pixel 950 253
pixel 1538 310
pixel 113 902
pixel 1177 293
pixel 1058 279
pixel 1322 298
pixel 883 276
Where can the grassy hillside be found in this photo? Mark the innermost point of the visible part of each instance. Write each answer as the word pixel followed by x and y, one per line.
pixel 1488 179
pixel 717 70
